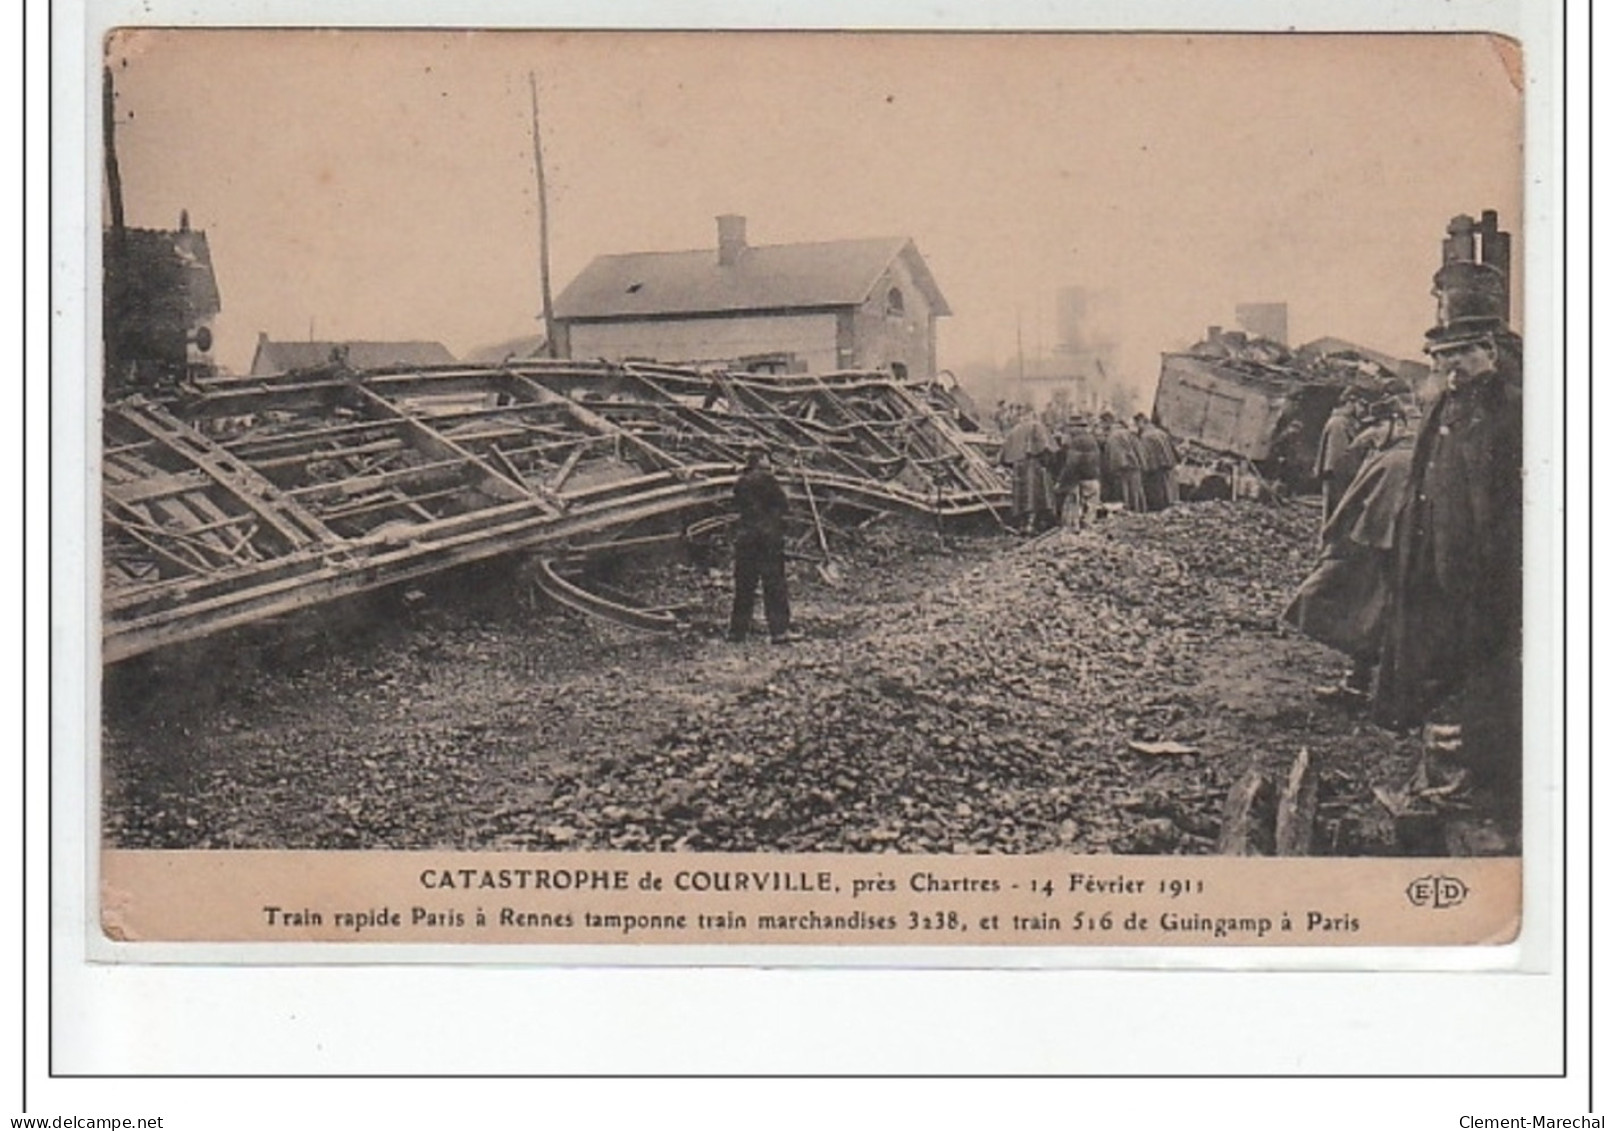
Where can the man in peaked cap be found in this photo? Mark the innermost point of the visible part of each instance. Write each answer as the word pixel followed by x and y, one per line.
pixel 1124 455
pixel 1330 467
pixel 760 506
pixel 1454 624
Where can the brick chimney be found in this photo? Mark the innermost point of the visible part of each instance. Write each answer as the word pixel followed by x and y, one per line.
pixel 731 240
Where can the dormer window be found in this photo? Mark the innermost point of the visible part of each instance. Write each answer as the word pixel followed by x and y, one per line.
pixel 894 303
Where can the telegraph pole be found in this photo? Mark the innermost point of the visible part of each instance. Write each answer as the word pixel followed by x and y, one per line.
pixel 110 145
pixel 1020 351
pixel 543 226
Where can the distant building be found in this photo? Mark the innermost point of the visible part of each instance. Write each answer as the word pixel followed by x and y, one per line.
pixel 160 297
pixel 283 357
pixel 1270 320
pixel 525 348
pixel 1084 363
pixel 805 307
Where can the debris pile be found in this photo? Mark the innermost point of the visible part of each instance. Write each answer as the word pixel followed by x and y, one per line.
pixel 236 500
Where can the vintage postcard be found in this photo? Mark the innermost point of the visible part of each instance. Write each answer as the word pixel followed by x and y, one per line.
pixel 1018 492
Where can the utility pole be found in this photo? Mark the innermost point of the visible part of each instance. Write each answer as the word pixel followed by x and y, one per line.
pixel 1020 351
pixel 109 143
pixel 114 260
pixel 543 226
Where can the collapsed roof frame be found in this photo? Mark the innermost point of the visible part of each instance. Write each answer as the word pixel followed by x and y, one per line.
pixel 236 500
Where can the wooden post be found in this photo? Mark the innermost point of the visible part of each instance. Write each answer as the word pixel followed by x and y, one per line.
pixel 1298 808
pixel 550 348
pixel 109 108
pixel 1247 817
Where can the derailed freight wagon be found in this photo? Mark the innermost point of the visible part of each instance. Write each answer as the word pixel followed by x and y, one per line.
pixel 1246 411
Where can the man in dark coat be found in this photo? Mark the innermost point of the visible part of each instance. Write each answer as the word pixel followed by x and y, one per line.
pixel 1078 483
pixel 1333 446
pixel 1454 622
pixel 1343 601
pixel 1160 463
pixel 760 552
pixel 1124 459
pixel 1025 451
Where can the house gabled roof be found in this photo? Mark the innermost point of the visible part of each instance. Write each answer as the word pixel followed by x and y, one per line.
pixel 517 349
pixel 283 357
pixel 771 277
pixel 183 255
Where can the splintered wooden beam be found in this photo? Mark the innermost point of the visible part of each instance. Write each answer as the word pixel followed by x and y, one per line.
pixel 493 482
pixel 558 480
pixel 596 423
pixel 282 514
pixel 1297 817
pixel 1247 820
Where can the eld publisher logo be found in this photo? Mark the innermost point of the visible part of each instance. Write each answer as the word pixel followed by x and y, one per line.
pixel 1438 892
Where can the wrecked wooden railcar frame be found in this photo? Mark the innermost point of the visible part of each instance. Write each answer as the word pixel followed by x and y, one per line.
pixel 1237 407
pixel 235 500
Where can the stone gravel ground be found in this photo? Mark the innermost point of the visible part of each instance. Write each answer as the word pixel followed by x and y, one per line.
pixel 972 697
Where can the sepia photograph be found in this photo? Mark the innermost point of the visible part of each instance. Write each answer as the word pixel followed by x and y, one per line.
pixel 776 465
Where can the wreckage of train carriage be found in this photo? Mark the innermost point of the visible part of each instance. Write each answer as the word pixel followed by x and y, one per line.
pixel 1253 412
pixel 235 500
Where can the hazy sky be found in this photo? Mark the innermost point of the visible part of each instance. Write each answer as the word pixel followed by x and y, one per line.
pixel 381 183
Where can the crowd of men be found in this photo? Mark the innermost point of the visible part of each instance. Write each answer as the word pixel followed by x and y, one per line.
pixel 1420 576
pixel 1061 475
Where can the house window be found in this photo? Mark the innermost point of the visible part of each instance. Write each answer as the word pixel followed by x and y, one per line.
pixel 894 303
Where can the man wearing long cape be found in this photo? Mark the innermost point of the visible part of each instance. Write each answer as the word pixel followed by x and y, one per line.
pixel 1454 622
pixel 1343 601
pixel 1422 568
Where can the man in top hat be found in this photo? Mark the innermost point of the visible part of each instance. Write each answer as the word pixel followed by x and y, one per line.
pixel 1454 621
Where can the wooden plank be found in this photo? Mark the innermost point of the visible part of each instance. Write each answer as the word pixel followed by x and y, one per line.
pixel 426 474
pixel 294 524
pixel 413 503
pixel 1293 830
pixel 166 550
pixel 176 528
pixel 1247 821
pixel 133 491
pixel 597 423
pixel 254 448
pixel 296 459
pixel 492 481
pixel 558 480
pixel 199 516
